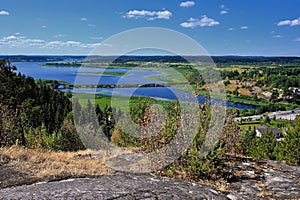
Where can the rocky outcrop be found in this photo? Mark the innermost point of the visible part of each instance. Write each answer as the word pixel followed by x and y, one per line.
pixel 267 179
pixel 117 186
pixel 246 179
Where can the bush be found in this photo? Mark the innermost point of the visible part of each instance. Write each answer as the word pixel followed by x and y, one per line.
pixel 263 147
pixel 196 165
pixel 66 139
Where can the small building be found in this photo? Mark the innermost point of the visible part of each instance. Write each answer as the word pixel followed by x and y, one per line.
pixel 58 86
pixel 261 129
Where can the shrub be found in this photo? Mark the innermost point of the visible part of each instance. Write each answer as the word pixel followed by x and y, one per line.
pixel 289 149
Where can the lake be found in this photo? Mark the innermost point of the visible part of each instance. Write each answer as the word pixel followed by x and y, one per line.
pixel 70 74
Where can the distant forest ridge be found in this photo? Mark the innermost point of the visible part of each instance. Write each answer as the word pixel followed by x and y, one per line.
pixel 124 59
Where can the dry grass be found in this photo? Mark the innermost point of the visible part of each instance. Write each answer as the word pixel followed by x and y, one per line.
pixel 261 185
pixel 232 86
pixel 245 92
pixel 43 164
pixel 264 194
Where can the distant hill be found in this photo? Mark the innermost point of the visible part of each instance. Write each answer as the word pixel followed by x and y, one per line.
pixel 124 59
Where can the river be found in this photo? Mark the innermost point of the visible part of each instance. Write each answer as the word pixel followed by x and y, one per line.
pixel 70 74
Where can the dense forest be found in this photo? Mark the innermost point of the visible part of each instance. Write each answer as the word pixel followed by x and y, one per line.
pixel 33 114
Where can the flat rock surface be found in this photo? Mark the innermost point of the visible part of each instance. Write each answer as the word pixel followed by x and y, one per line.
pixel 246 179
pixel 118 186
pixel 267 179
pixel 10 177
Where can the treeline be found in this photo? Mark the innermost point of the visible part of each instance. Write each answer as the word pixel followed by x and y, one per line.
pixel 255 60
pixel 26 105
pixel 64 64
pixel 216 59
pixel 123 59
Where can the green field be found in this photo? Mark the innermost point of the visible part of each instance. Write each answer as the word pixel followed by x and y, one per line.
pixel 106 73
pixel 280 124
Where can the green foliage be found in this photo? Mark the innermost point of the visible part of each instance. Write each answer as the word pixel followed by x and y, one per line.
pixel 139 108
pixel 289 149
pixel 148 135
pixel 266 120
pixel 245 140
pixel 196 163
pixel 267 147
pixel 122 139
pixel 263 147
pixel 38 138
pixel 274 96
pixel 10 127
pixel 26 106
pixel 32 104
pixel 226 82
pixel 230 74
pixel 190 73
pixel 67 138
pixel 236 92
pixel 92 122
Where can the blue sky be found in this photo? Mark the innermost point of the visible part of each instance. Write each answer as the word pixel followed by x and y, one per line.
pixel 222 27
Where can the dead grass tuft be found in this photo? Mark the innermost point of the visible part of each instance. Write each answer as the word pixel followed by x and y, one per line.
pixel 43 164
pixel 264 194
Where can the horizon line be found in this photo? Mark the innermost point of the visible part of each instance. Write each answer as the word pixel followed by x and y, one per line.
pixel 154 55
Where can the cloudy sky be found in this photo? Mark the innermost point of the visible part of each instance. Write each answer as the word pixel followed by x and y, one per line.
pixel 222 27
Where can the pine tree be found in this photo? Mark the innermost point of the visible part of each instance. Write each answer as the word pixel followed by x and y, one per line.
pixel 289 150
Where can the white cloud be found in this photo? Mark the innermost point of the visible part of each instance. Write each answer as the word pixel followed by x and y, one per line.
pixel 297 40
pixel 138 14
pixel 163 14
pixel 59 35
pixel 224 10
pixel 277 36
pixel 44 26
pixel 34 42
pixel 244 27
pixel 204 21
pixel 3 12
pixel 293 22
pixel 91 25
pixel 83 19
pixel 187 4
pixel 11 37
pixel 150 15
pixel 73 43
pixel 231 29
pixel 23 42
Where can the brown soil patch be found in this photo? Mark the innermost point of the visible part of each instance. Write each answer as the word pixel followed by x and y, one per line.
pixel 245 91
